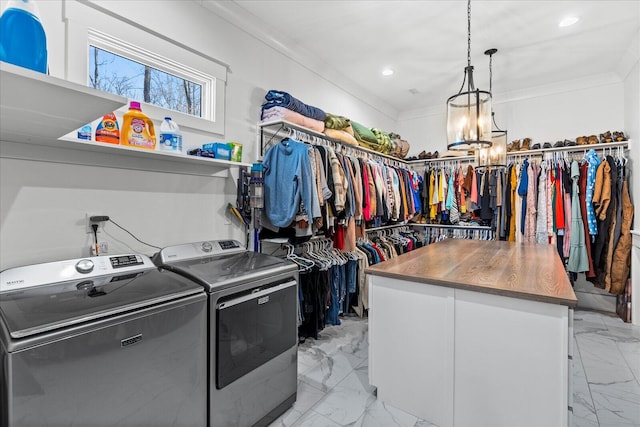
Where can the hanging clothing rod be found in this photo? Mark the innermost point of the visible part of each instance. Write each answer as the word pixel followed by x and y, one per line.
pixel 317 138
pixel 387 227
pixel 462 227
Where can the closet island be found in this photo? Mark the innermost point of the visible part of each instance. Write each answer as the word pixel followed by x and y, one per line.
pixel 473 333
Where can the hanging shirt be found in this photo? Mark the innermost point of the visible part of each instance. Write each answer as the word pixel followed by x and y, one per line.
pixel 594 162
pixel 288 182
pixel 530 221
pixel 513 182
pixel 463 199
pixel 522 192
pixel 366 199
pixel 541 219
pixel 433 196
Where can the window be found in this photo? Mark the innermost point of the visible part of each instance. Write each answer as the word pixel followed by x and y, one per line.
pixel 123 76
pixel 108 51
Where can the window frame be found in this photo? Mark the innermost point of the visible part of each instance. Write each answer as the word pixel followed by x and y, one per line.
pixel 86 25
pixel 134 53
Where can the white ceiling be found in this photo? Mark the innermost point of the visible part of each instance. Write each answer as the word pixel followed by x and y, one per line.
pixel 425 42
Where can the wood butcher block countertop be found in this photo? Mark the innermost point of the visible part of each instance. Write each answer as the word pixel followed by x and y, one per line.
pixel 526 271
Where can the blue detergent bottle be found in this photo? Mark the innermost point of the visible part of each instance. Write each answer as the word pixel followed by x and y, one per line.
pixel 22 38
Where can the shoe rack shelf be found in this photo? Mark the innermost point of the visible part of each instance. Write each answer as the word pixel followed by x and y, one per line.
pixel 528 153
pixel 38 112
pixel 570 149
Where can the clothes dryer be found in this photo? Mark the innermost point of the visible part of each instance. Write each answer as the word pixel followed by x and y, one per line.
pixel 253 319
pixel 101 341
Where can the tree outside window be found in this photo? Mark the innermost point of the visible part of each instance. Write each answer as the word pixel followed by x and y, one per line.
pixel 122 76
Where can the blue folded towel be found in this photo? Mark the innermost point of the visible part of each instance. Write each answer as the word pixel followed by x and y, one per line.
pixel 276 98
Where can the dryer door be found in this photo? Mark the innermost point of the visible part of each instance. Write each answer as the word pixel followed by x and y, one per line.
pixel 254 327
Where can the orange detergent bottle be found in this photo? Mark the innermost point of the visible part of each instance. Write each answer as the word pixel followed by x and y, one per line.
pixel 137 129
pixel 108 130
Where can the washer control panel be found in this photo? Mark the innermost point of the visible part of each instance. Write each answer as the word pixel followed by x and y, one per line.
pixel 73 269
pixel 122 261
pixel 202 249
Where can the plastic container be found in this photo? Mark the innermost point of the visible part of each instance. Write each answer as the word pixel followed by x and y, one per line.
pixel 84 132
pixel 23 41
pixel 170 136
pixel 108 130
pixel 137 129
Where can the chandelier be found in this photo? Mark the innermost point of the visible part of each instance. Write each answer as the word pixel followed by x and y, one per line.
pixel 469 112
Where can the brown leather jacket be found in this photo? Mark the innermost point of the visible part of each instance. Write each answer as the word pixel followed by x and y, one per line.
pixel 621 264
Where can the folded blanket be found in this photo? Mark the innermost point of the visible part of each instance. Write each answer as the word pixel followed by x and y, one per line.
pixel 341 136
pixel 276 98
pixel 281 113
pixel 384 142
pixel 363 134
pixel 336 122
pixel 349 130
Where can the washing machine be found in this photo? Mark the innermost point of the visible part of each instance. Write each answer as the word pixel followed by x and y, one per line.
pixel 253 319
pixel 101 341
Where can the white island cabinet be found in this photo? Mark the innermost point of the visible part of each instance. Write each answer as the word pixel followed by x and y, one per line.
pixel 473 333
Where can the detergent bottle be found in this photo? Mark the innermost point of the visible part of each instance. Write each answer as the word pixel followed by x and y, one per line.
pixel 137 129
pixel 23 41
pixel 108 130
pixel 170 136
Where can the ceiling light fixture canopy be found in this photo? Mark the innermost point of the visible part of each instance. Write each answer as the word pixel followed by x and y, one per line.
pixel 496 155
pixel 469 112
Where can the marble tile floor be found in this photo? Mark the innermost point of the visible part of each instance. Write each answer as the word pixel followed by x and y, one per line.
pixel 333 386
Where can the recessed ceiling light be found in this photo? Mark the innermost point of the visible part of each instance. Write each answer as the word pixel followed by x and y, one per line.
pixel 387 72
pixel 569 20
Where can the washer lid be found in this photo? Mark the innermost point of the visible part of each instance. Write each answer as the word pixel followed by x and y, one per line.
pixel 225 270
pixel 37 309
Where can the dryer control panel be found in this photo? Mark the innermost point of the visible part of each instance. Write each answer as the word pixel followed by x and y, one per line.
pixel 72 269
pixel 203 249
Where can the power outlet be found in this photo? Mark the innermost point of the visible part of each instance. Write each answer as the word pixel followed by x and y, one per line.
pixel 104 247
pixel 88 223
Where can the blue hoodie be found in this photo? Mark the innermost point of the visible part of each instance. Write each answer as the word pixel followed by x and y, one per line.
pixel 287 182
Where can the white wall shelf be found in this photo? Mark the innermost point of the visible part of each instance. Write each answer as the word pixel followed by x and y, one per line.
pixel 38 111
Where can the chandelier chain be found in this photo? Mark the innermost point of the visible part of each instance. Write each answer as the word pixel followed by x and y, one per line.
pixel 490 74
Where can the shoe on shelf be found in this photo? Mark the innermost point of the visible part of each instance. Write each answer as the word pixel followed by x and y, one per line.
pixel 569 143
pixel 558 144
pixel 435 155
pixel 582 140
pixel 619 136
pixel 423 155
pixel 606 137
pixel 514 146
pixel 546 145
pixel 535 146
pixel 526 144
pixel 593 139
